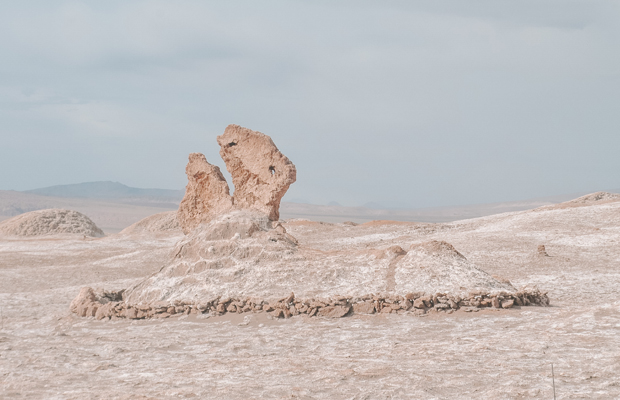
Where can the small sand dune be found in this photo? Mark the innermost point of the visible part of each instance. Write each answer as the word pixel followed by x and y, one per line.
pixel 50 222
pixel 157 223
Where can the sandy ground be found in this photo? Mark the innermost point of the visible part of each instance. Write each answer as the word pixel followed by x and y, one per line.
pixel 45 353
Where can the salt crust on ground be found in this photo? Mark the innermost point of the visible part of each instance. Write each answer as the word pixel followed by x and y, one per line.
pixel 46 353
pixel 240 255
pixel 49 222
pixel 591 199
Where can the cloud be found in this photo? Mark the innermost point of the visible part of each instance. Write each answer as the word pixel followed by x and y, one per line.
pixel 417 103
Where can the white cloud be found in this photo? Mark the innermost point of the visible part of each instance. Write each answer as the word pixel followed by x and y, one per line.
pixel 370 93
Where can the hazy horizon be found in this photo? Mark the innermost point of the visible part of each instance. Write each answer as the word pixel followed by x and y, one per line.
pixel 402 104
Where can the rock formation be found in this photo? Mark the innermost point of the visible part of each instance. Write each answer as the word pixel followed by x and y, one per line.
pixel 237 257
pixel 260 173
pixel 50 222
pixel 206 195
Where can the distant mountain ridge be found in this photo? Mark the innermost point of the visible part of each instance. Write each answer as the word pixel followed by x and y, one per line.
pixel 108 190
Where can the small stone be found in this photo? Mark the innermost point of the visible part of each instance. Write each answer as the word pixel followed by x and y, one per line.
pixel 495 302
pixel 334 311
pixel 419 303
pixel 508 303
pixel 542 251
pixel 131 313
pixel 366 307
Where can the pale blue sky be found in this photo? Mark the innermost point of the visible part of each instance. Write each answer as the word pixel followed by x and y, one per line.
pixel 403 103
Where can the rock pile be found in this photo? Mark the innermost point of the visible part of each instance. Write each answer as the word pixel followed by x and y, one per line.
pixel 50 222
pixel 108 305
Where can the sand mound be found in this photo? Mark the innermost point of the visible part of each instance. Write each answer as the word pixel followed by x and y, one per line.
pixel 157 223
pixel 584 201
pixel 50 222
pixel 437 266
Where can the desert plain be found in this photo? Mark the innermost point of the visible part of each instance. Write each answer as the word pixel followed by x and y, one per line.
pixel 46 352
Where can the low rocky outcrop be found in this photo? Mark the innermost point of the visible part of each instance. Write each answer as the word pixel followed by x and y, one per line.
pixel 591 199
pixel 48 222
pixel 109 305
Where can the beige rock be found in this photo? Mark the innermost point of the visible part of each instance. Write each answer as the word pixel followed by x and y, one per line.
pixel 419 303
pixel 261 174
pixel 84 298
pixel 131 313
pixel 103 311
pixel 508 303
pixel 334 311
pixel 206 195
pixel 542 251
pixel 366 307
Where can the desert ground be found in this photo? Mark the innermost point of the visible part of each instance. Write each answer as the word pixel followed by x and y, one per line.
pixel 48 353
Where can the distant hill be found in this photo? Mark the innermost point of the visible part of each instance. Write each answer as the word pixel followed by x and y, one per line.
pixel 114 206
pixel 107 190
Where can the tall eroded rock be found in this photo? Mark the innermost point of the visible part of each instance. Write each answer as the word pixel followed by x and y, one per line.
pixel 206 195
pixel 260 173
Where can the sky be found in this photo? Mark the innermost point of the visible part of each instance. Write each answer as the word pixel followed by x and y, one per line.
pixel 399 103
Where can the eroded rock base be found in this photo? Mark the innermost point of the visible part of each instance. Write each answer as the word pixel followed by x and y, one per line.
pixel 108 305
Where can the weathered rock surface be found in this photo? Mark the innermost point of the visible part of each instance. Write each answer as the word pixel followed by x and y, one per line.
pixel 50 222
pixel 157 223
pixel 261 174
pixel 206 195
